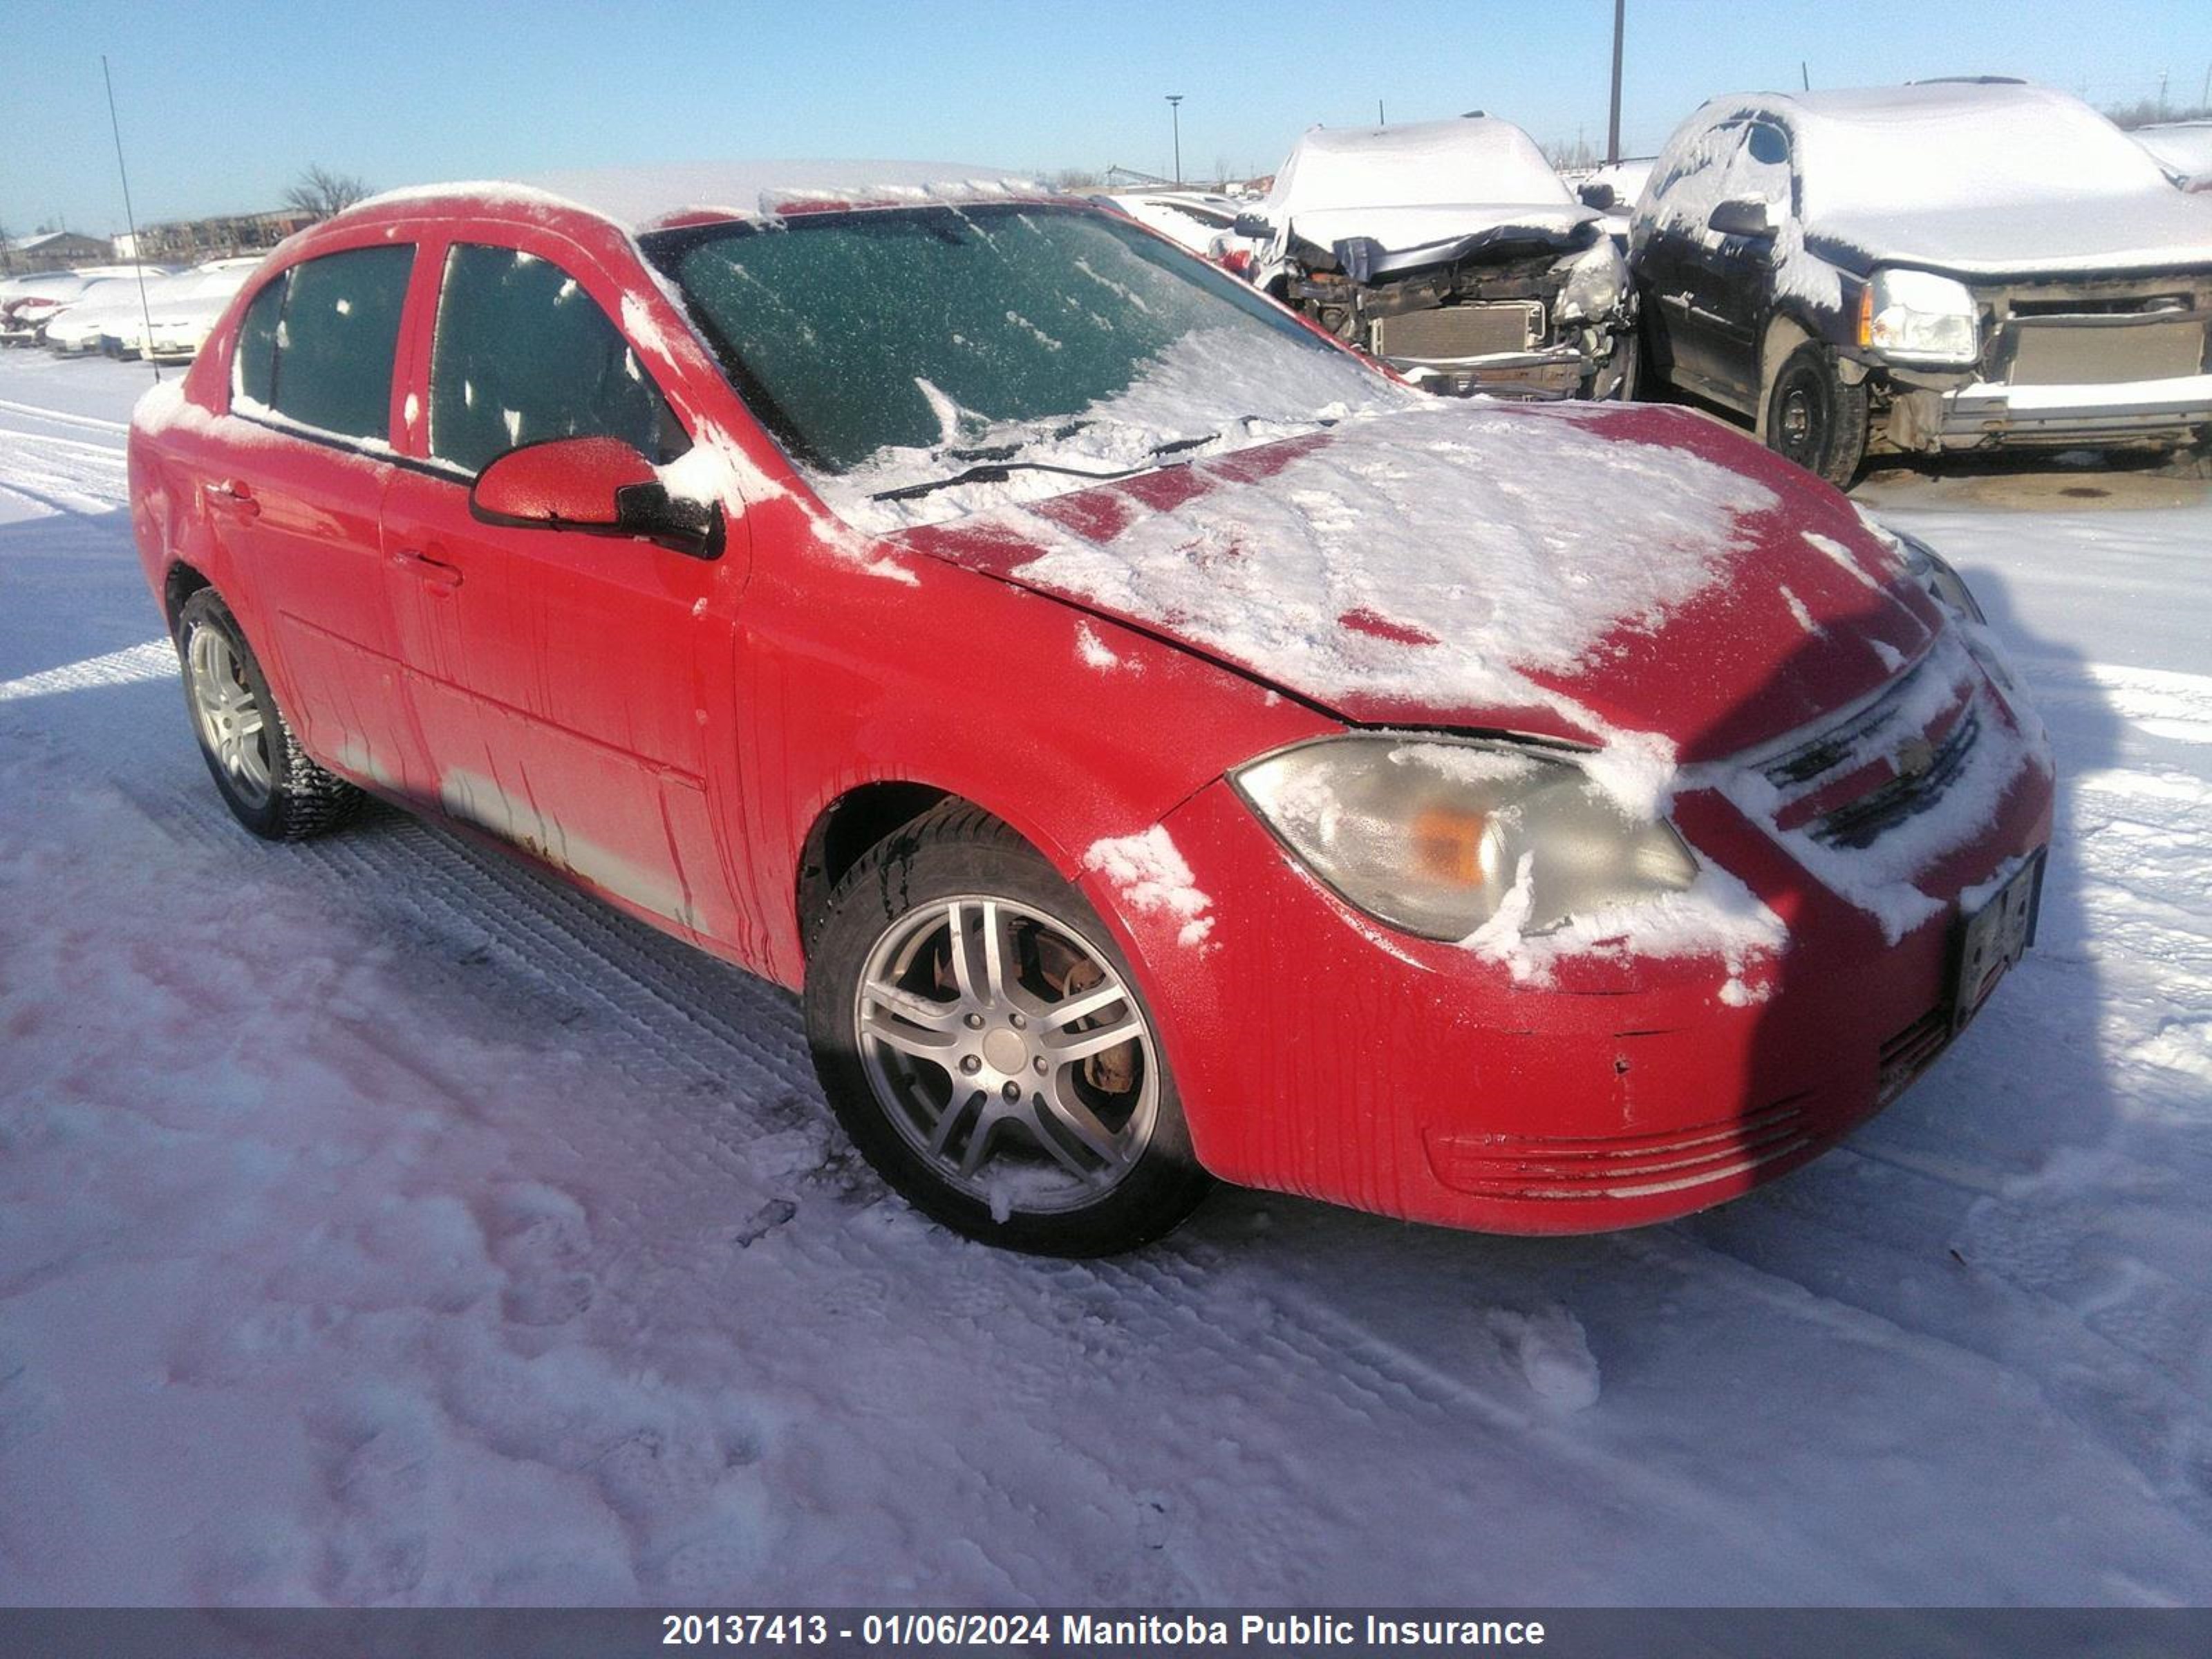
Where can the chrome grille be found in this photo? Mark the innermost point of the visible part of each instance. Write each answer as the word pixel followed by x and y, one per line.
pixel 1454 331
pixel 1910 792
pixel 1924 759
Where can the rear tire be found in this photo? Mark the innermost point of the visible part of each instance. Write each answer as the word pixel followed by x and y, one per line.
pixel 947 1063
pixel 263 775
pixel 1815 419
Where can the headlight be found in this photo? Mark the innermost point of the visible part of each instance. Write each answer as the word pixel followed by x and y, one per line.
pixel 1433 836
pixel 1593 286
pixel 1948 589
pixel 1933 572
pixel 1917 314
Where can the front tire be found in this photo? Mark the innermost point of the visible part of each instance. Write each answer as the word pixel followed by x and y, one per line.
pixel 984 1043
pixel 1815 419
pixel 264 777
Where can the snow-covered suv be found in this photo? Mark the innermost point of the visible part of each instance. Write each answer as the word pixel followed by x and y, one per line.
pixel 1942 266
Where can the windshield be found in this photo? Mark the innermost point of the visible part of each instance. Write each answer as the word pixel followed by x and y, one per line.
pixel 1909 157
pixel 892 347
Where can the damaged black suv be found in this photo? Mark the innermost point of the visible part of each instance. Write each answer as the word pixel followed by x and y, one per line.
pixel 1942 266
pixel 1453 252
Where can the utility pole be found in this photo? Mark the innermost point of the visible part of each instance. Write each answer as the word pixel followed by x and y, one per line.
pixel 1613 123
pixel 1175 114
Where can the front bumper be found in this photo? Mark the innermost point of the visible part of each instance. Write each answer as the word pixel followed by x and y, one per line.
pixel 1556 373
pixel 1991 412
pixel 1321 1054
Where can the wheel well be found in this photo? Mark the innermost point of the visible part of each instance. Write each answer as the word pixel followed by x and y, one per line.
pixel 850 825
pixel 183 582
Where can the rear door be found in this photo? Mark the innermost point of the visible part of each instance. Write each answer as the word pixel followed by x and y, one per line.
pixel 561 678
pixel 298 496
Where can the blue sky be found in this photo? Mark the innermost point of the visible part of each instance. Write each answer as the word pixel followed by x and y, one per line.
pixel 223 102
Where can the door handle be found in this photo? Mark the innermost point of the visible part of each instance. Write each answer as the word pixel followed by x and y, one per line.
pixel 234 495
pixel 436 573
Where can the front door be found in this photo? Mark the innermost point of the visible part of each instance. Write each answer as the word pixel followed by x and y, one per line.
pixel 1735 288
pixel 561 679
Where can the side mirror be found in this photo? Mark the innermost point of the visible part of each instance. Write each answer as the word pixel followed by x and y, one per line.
pixel 1743 218
pixel 597 486
pixel 1251 224
pixel 1599 196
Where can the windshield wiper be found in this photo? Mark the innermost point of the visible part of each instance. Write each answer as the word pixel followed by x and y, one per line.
pixel 999 469
pixel 997 463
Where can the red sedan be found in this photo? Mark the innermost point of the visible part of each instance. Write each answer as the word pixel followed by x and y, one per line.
pixel 1156 742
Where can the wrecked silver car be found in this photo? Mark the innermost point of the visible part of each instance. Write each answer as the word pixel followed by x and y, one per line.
pixel 1453 252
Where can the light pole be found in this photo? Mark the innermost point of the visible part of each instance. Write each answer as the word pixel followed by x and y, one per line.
pixel 1175 115
pixel 1613 122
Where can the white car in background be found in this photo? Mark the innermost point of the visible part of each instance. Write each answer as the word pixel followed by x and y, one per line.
pixel 2184 148
pixel 1194 218
pixel 28 303
pixel 180 317
pixel 101 306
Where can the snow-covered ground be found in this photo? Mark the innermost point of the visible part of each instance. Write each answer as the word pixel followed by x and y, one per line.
pixel 382 1223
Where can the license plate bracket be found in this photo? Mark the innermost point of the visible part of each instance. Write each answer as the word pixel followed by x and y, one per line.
pixel 1993 938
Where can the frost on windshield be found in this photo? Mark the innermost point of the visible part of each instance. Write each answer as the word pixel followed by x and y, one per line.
pixel 895 348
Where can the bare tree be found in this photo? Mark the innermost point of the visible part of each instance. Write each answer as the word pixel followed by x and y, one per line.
pixel 322 193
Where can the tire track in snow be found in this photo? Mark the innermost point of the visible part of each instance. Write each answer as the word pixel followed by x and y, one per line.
pixel 62 418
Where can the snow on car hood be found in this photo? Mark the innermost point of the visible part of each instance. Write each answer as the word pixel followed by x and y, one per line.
pixel 2155 229
pixel 1426 235
pixel 1639 579
pixel 1418 189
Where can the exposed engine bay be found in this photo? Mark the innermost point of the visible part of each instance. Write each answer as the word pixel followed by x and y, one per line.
pixel 1515 312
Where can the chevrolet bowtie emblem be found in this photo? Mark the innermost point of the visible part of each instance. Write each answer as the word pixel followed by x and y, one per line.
pixel 1915 757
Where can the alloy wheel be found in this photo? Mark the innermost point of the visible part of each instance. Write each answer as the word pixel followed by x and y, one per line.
pixel 230 718
pixel 1006 1050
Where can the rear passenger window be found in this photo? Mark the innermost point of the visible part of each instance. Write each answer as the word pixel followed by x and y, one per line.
pixel 336 342
pixel 524 355
pixel 254 368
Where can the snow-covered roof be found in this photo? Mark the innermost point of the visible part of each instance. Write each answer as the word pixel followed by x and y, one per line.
pixel 1475 159
pixel 45 238
pixel 2182 147
pixel 1975 178
pixel 1956 143
pixel 641 197
pixel 1417 192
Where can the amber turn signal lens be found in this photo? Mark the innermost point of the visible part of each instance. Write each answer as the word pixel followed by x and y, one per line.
pixel 1866 315
pixel 1448 845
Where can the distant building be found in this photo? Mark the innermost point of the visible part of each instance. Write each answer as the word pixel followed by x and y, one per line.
pixel 53 250
pixel 188 241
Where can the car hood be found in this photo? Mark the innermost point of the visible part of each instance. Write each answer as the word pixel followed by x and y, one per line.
pixel 1386 239
pixel 2150 230
pixel 1593 574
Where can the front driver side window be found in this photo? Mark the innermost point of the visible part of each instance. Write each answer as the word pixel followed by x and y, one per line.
pixel 523 355
pixel 1759 171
